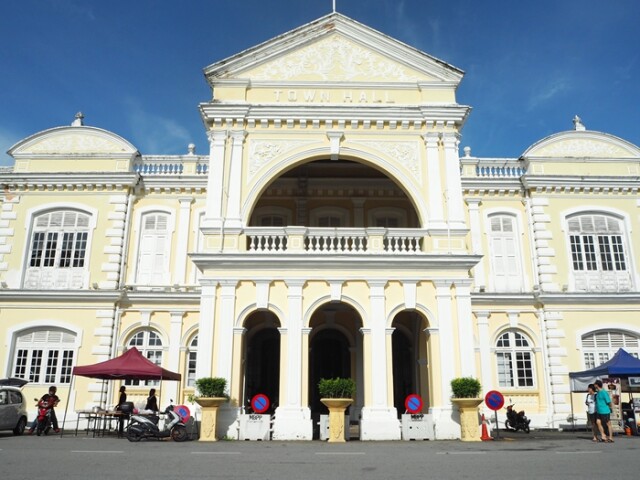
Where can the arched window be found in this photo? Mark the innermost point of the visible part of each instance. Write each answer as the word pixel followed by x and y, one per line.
pixel 58 251
pixel 192 357
pixel 598 254
pixel 154 250
pixel 514 357
pixel 45 356
pixel 599 347
pixel 505 254
pixel 149 344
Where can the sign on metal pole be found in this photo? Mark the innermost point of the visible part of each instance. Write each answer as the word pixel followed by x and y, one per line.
pixel 495 401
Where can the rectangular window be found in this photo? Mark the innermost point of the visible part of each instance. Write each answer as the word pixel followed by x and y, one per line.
pixel 590 252
pixel 505 369
pixel 50 250
pixel 80 249
pixel 36 364
pixel 36 249
pixel 20 370
pixel 67 249
pixel 618 253
pixel 576 253
pixel 605 253
pixel 52 366
pixel 191 369
pixel 66 366
pixel 524 369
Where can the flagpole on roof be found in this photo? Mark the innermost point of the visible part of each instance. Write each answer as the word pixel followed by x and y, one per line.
pixel 334 6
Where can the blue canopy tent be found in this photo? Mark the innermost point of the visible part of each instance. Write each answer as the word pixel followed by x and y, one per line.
pixel 621 365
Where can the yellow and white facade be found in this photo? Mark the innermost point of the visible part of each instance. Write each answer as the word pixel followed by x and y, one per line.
pixel 332 230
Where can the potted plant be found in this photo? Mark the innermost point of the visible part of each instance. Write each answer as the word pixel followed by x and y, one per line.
pixel 211 393
pixel 337 394
pixel 466 391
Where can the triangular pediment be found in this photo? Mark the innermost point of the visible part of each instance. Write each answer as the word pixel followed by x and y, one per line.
pixel 334 48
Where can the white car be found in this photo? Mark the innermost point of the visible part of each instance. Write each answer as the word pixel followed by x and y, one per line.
pixel 13 405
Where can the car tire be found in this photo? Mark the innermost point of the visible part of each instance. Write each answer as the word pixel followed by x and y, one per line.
pixel 22 424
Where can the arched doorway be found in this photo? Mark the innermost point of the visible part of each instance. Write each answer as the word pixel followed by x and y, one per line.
pixel 410 366
pixel 335 350
pixel 262 358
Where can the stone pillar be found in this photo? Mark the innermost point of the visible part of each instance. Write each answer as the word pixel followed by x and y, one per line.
pixel 379 418
pixel 434 179
pixel 453 192
pixel 204 362
pixel 358 212
pixel 465 329
pixel 484 340
pixel 446 427
pixel 170 390
pixel 233 216
pixel 236 390
pixel 476 241
pixel 215 179
pixel 182 237
pixel 292 420
pixel 224 329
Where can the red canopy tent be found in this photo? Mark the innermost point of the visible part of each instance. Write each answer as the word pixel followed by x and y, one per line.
pixel 131 365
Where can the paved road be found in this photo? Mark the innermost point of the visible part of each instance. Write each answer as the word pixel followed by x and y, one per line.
pixel 536 456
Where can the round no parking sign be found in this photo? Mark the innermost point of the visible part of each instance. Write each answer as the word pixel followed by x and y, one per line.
pixel 413 403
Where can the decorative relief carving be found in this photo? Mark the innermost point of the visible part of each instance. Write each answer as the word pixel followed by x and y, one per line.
pixel 75 143
pixel 581 148
pixel 334 58
pixel 264 151
pixel 404 153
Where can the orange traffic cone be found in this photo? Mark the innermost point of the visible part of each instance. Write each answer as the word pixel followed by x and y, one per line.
pixel 485 434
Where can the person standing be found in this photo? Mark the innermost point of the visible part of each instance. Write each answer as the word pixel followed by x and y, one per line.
pixel 121 416
pixel 152 401
pixel 603 412
pixel 590 402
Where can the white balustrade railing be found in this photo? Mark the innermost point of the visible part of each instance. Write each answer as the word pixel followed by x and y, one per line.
pixel 334 240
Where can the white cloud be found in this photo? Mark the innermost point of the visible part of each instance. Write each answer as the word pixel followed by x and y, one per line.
pixel 549 91
pixel 154 134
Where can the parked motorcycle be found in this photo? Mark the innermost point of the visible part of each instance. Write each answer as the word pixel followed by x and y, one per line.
pixel 144 426
pixel 516 420
pixel 43 420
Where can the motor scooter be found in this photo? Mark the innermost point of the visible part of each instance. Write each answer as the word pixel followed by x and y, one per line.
pixel 516 420
pixel 146 426
pixel 43 420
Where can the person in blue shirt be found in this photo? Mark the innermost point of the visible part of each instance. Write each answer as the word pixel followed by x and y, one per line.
pixel 603 411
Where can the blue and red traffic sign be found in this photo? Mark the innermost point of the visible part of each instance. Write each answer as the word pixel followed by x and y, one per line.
pixel 494 400
pixel 413 403
pixel 260 403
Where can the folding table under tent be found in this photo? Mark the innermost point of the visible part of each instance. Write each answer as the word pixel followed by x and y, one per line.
pixel 131 365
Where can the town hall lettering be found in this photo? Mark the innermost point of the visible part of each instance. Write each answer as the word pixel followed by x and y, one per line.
pixel 326 96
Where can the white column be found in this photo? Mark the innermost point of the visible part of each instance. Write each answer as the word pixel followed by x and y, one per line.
pixel 204 362
pixel 476 240
pixel 215 179
pixel 294 327
pixel 170 390
pixel 445 425
pixel 379 419
pixel 485 350
pixel 465 329
pixel 447 346
pixel 292 420
pixel 224 342
pixel 232 218
pixel 455 205
pixel 434 179
pixel 358 212
pixel 182 237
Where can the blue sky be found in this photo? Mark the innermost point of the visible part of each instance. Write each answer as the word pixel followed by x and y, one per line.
pixel 135 66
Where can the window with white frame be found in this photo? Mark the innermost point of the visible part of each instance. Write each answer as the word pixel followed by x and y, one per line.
pixel 58 251
pixel 514 356
pixel 45 356
pixel 504 254
pixel 598 256
pixel 154 250
pixel 149 344
pixel 192 358
pixel 599 347
pixel 388 217
pixel 329 217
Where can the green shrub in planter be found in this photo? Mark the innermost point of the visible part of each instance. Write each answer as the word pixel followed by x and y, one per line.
pixel 465 387
pixel 211 387
pixel 336 387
